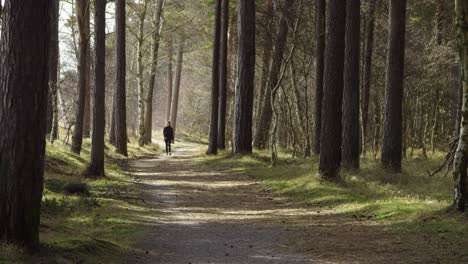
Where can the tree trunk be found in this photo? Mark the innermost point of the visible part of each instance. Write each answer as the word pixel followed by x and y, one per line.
pixel 299 109
pixel 377 122
pixel 460 161
pixel 178 76
pixel 330 147
pixel 215 84
pixel 49 117
pixel 96 167
pixel 53 66
pixel 112 123
pixel 169 77
pixel 223 75
pixel 392 139
pixel 82 9
pixel 242 139
pixel 266 56
pixel 368 53
pixel 320 61
pixel 24 48
pixel 350 145
pixel 140 72
pixel 120 105
pixel 149 98
pixel 87 111
pixel 459 101
pixel 264 120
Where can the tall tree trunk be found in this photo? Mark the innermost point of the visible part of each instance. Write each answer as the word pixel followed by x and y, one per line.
pixel 140 73
pixel 460 161
pixel 169 77
pixel 350 145
pixel 82 10
pixel 392 139
pixel 87 111
pixel 53 66
pixel 266 56
pixel 264 120
pixel 49 115
pixel 368 53
pixel 215 84
pixel 96 167
pixel 377 123
pixel 178 77
pixel 242 140
pixel 319 70
pixel 154 65
pixel 112 123
pixel 223 75
pixel 120 105
pixel 459 101
pixel 24 49
pixel 330 142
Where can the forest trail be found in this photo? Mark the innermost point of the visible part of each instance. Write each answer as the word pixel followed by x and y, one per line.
pixel 202 215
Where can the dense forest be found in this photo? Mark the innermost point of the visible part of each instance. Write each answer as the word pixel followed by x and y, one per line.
pixel 341 88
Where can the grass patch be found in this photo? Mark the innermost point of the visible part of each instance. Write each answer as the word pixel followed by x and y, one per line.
pixel 410 201
pixel 83 220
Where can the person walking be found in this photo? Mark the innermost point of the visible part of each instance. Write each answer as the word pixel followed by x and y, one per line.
pixel 168 133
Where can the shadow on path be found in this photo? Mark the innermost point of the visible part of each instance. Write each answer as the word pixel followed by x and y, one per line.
pixel 203 215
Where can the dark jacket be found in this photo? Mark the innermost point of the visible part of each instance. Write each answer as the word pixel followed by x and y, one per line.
pixel 168 133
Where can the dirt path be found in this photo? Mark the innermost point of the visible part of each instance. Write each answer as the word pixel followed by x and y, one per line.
pixel 206 216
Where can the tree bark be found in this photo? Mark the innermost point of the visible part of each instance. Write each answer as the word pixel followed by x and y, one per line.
pixel 96 167
pixel 169 77
pixel 392 139
pixel 223 75
pixel 264 120
pixel 320 62
pixel 459 102
pixel 120 105
pixel 82 9
pixel 140 72
pixel 53 66
pixel 112 123
pixel 440 19
pixel 215 83
pixel 24 48
pixel 149 98
pixel 330 147
pixel 242 139
pixel 178 77
pixel 266 56
pixel 460 161
pixel 87 111
pixel 350 145
pixel 367 78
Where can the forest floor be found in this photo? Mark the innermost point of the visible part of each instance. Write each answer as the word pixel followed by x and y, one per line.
pixel 194 208
pixel 219 210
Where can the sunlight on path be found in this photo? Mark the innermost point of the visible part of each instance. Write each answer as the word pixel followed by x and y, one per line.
pixel 204 216
pixel 201 215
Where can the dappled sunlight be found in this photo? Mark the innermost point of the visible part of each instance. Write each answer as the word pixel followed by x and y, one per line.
pixel 197 204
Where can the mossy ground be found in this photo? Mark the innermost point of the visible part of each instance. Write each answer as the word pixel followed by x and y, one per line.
pixel 411 201
pixel 98 227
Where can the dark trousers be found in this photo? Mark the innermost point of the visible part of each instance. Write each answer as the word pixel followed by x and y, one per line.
pixel 168 145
